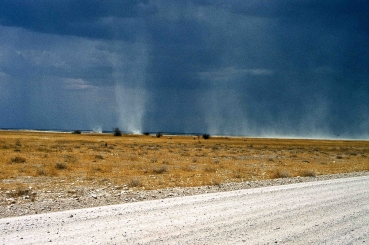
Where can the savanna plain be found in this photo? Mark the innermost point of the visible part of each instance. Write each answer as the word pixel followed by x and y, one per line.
pixel 33 162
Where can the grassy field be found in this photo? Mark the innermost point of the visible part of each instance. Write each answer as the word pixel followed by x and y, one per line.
pixel 147 162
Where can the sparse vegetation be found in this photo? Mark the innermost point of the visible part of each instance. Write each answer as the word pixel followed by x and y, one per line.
pixel 61 165
pixel 160 170
pixel 216 161
pixel 41 172
pixel 210 169
pixel 54 160
pixel 99 157
pixel 216 183
pixel 19 191
pixel 282 173
pixel 134 182
pixel 308 173
pixel 237 174
pixel 159 134
pixel 77 132
pixel 18 159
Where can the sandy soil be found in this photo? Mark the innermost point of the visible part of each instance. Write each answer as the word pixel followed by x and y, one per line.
pixel 323 212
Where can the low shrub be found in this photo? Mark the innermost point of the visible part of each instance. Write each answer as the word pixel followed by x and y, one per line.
pixel 308 173
pixel 160 170
pixel 159 134
pixel 216 183
pixel 134 182
pixel 41 172
pixel 206 136
pixel 282 173
pixel 76 132
pixel 99 157
pixel 18 159
pixel 117 132
pixel 210 169
pixel 21 191
pixel 61 166
pixel 237 174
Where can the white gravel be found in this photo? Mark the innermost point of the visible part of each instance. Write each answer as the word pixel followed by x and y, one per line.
pixel 321 212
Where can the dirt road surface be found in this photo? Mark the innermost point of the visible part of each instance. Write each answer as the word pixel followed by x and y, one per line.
pixel 324 212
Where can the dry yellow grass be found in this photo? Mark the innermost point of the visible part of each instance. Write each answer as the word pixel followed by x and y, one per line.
pixel 59 160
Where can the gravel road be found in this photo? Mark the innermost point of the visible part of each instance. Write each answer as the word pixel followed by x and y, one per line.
pixel 333 211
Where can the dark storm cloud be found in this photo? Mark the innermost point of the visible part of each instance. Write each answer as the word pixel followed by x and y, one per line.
pixel 225 67
pixel 92 18
pixel 179 52
pixel 310 53
pixel 324 12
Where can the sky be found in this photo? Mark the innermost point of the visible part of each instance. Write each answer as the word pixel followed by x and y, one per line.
pixel 281 68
